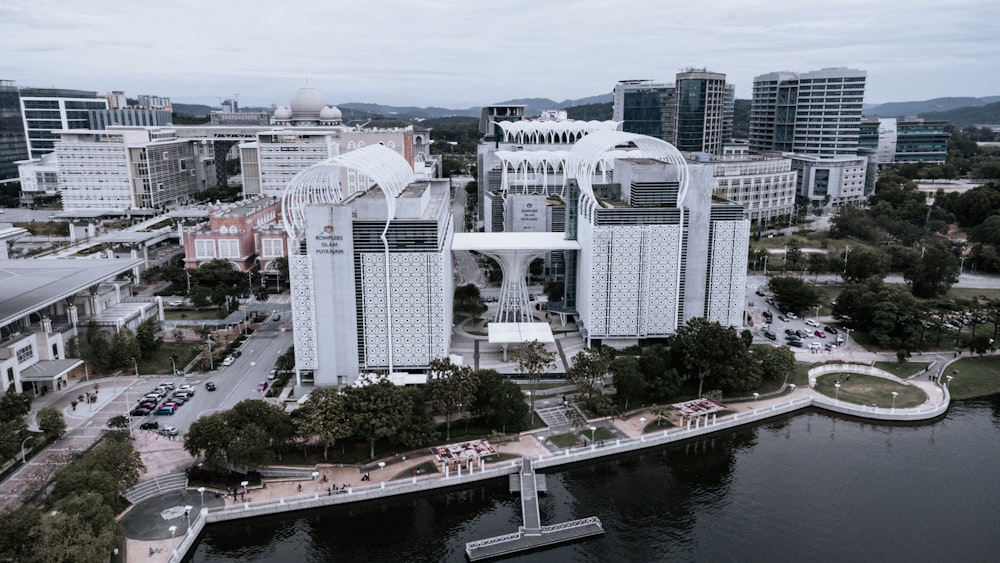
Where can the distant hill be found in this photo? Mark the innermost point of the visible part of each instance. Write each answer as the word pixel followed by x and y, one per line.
pixel 591 112
pixel 976 115
pixel 193 110
pixel 533 107
pixel 901 109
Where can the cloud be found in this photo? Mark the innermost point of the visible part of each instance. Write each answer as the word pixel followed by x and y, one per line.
pixel 447 52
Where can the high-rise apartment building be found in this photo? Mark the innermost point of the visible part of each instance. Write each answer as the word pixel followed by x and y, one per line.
pixel 13 144
pixel 694 113
pixel 817 113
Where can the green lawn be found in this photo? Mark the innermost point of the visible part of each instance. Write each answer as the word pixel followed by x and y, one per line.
pixel 977 377
pixel 194 315
pixel 567 440
pixel 867 390
pixel 904 370
pixel 159 362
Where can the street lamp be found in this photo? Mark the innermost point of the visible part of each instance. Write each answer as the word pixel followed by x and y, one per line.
pixel 187 516
pixel 381 473
pixel 173 530
pixel 755 396
pixel 23 457
pixel 894 400
pixel 136 364
pixel 211 363
pixel 949 379
pixel 244 483
pixel 847 250
pixel 792 387
pixel 593 430
pixel 642 431
pixel 201 491
pixel 837 392
pixel 173 364
pixel 817 310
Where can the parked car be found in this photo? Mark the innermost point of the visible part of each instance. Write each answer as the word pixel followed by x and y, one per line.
pixel 210 386
pixel 790 332
pixel 169 385
pixel 139 411
pixel 181 396
pixel 820 334
pixel 237 353
pixel 830 329
pixel 151 425
pixel 187 387
pixel 783 318
pixel 172 404
pixel 228 361
pixel 272 374
pixel 262 386
pixel 811 322
pixel 796 343
pixel 768 316
pixel 176 302
pixel 147 405
pixel 155 397
pixel 770 335
pixel 164 410
pixel 802 333
pixel 168 431
pixel 791 315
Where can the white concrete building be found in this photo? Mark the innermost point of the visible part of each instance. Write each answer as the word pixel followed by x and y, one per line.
pixel 765 185
pixel 831 182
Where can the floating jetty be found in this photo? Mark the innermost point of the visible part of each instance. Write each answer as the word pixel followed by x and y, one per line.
pixel 531 535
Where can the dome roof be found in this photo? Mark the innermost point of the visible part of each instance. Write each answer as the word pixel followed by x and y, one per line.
pixel 307 100
pixel 282 113
pixel 329 113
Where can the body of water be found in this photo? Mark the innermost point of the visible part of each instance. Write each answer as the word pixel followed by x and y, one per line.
pixel 806 487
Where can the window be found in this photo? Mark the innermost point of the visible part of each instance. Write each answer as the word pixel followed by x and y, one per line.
pixel 229 248
pixel 25 354
pixel 272 247
pixel 204 249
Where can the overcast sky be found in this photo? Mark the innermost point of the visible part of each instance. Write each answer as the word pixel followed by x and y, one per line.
pixel 461 53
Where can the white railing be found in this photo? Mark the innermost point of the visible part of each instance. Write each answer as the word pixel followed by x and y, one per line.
pixel 572 524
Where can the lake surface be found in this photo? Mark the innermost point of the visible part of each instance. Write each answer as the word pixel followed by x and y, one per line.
pixel 806 487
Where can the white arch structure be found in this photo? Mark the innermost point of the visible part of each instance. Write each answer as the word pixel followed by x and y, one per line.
pixel 552 132
pixel 320 183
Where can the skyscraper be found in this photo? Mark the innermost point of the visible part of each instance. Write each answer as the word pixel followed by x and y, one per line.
pixel 817 113
pixel 694 113
pixel 13 145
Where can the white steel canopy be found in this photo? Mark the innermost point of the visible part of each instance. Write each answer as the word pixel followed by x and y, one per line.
pixel 320 183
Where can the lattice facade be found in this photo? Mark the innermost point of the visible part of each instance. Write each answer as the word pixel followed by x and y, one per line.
pixel 634 281
pixel 420 328
pixel 727 272
pixel 303 310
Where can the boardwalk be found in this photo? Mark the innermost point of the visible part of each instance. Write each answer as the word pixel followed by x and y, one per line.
pixel 529 500
pixel 531 535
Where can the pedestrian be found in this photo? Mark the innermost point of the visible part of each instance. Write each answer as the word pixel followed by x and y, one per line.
pixel 300 487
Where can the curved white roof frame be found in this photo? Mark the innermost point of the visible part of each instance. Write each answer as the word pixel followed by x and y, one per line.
pixel 551 132
pixel 320 183
pixel 593 149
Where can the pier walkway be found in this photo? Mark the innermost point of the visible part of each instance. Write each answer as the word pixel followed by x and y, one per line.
pixel 531 535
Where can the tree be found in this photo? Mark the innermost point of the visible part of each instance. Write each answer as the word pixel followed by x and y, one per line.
pixel 708 350
pixel 118 422
pixel 14 405
pixel 862 263
pixel 499 402
pixel 933 275
pixel 324 416
pixel 115 458
pixel 532 360
pixel 262 294
pixel 630 384
pixel 21 527
pixel 68 537
pixel 209 437
pixel 51 423
pixel 773 362
pixel 146 338
pixel 200 296
pixel 451 388
pixel 273 419
pixel 589 369
pixel 662 379
pixel 794 294
pixel 377 410
pixel 468 300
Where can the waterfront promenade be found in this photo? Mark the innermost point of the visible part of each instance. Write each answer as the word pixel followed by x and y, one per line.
pixel 290 494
